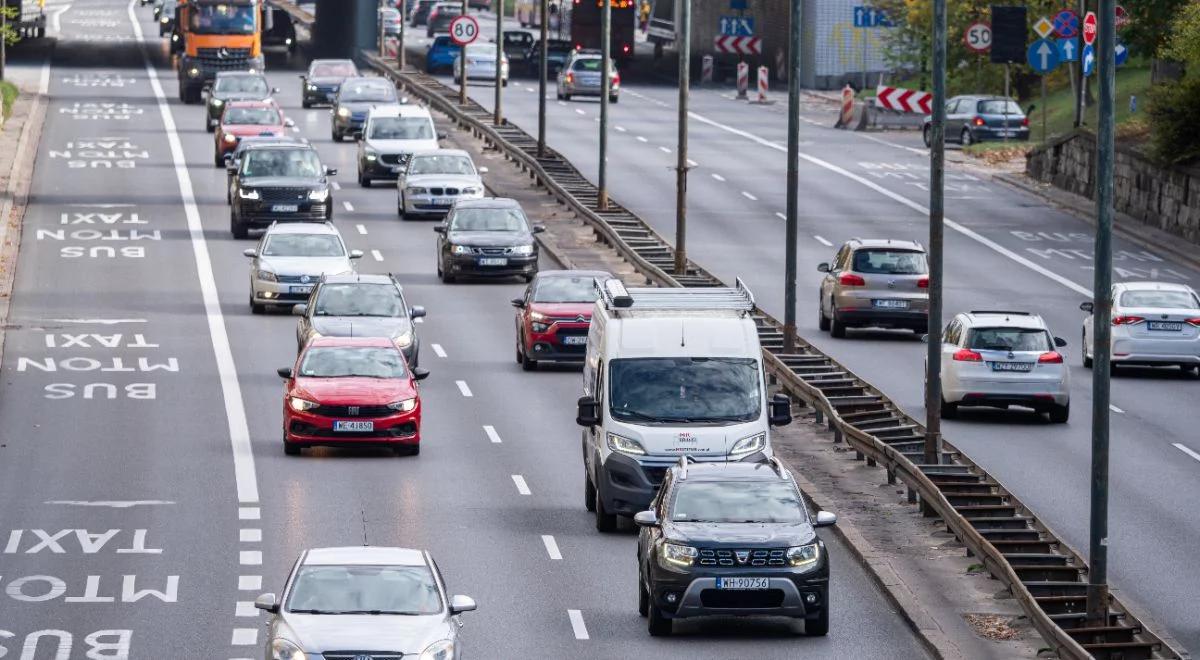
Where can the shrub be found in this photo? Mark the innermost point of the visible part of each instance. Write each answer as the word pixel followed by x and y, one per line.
pixel 1174 137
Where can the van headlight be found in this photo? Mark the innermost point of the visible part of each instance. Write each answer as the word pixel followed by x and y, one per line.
pixel 523 250
pixel 628 446
pixel 676 554
pixel 282 649
pixel 749 445
pixel 804 555
pixel 406 405
pixel 319 195
pixel 440 650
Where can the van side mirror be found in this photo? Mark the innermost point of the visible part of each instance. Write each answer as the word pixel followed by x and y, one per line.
pixel 824 519
pixel 420 374
pixel 1087 307
pixel 780 410
pixel 1059 342
pixel 646 518
pixel 823 267
pixel 588 413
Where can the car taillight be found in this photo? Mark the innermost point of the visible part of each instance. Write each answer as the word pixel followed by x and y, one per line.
pixel 1127 320
pixel 967 355
pixel 978 121
pixel 1025 121
pixel 850 279
pixel 923 283
pixel 1052 357
pixel 1195 321
pixel 625 48
pixel 570 78
pixel 616 79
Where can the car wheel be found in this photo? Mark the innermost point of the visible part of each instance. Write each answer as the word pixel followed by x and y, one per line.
pixel 1190 369
pixel 364 180
pixel 822 320
pixel 238 229
pixel 528 364
pixel 447 278
pixel 208 125
pixel 408 450
pixel 837 329
pixel 1112 369
pixel 949 410
pixel 1087 359
pixel 305 104
pixel 656 623
pixel 218 159
pixel 256 308
pixel 589 493
pixel 966 138
pixel 1060 414
pixel 335 136
pixel 643 598
pixel 566 97
pixel 504 82
pixel 614 99
pixel 290 449
pixel 605 522
pixel 927 136
pixel 818 627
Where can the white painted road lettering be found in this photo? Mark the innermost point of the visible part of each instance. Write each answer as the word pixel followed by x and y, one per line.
pixel 58 644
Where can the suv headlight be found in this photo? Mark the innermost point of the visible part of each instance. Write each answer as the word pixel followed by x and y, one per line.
pixel 312 87
pixel 414 190
pixel 343 112
pixel 216 101
pixel 407 405
pixel 804 555
pixel 625 445
pixel 319 195
pixel 440 650
pixel 748 445
pixel 404 339
pixel 300 405
pixel 266 276
pixel 523 250
pixel 248 194
pixel 282 649
pixel 371 154
pixel 460 249
pixel 679 555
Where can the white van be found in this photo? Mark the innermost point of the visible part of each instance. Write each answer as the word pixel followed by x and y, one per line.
pixel 390 135
pixel 669 372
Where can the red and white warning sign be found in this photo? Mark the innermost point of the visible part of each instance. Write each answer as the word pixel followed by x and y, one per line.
pixel 903 100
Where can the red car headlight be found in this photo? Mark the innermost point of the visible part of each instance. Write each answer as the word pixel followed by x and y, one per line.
pixel 404 405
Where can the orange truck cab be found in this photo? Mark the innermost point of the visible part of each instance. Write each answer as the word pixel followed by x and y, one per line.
pixel 218 35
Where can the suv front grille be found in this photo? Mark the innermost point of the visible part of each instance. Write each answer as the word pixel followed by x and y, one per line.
pixel 353 655
pixel 754 557
pixel 283 194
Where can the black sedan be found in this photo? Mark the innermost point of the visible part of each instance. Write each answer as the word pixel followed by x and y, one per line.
pixel 279 183
pixel 487 238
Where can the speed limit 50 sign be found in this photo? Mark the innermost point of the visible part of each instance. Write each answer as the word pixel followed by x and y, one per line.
pixel 978 37
pixel 464 30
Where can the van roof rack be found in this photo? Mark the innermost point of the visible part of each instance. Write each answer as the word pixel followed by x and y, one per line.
pixel 614 296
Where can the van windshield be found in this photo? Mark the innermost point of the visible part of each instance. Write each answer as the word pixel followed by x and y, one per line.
pixel 684 390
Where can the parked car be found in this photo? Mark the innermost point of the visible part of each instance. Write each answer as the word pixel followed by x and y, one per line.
pixel 390 136
pixel 487 238
pixel 580 76
pixel 1153 324
pixel 420 14
pixel 481 64
pixel 291 258
pixel 279 182
pixel 360 305
pixel 247 118
pixel 323 80
pixel 879 283
pixel 553 316
pixel 971 119
pixel 233 86
pixel 440 18
pixel 441 55
pixel 557 52
pixel 355 97
pixel 433 181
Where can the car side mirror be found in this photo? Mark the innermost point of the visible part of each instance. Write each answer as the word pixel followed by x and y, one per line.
pixel 519 303
pixel 1059 342
pixel 781 410
pixel 440 229
pixel 274 90
pixel 416 312
pixel 483 170
pixel 646 519
pixel 358 136
pixel 823 267
pixel 230 165
pixel 289 123
pixel 441 136
pixel 330 171
pixel 303 77
pixel 588 411
pixel 825 519
pixel 356 254
pixel 460 604
pixel 1031 108
pixel 537 229
pixel 249 252
pixel 284 372
pixel 299 310
pixel 1087 307
pixel 266 603
pixel 420 374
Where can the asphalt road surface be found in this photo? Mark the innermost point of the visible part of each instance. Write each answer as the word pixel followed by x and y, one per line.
pixel 147 498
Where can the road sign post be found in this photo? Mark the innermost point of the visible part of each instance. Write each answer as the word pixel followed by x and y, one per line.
pixel 543 71
pixel 605 84
pixel 792 184
pixel 497 104
pixel 681 150
pixel 937 190
pixel 464 30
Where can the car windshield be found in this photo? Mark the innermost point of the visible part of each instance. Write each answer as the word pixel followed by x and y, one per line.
pixel 441 165
pixel 488 220
pixel 890 262
pixel 241 85
pixel 223 18
pixel 303 245
pixel 359 300
pixel 252 116
pixel 1160 299
pixel 333 70
pixel 737 501
pixel 320 589
pixel 565 290
pixel 1008 339
pixel 282 163
pixel 999 107
pixel 400 128
pixel 368 91
pixel 352 362
pixel 684 389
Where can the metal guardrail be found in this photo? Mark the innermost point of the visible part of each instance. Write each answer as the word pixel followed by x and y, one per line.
pixel 1044 574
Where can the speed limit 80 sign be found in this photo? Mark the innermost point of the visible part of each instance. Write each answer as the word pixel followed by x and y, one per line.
pixel 978 37
pixel 464 30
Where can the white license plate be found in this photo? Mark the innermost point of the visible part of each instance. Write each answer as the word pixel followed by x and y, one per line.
pixel 285 208
pixel 493 261
pixel 1012 366
pixel 354 426
pixel 743 583
pixel 574 341
pixel 1169 326
pixel 305 288
pixel 442 202
pixel 891 304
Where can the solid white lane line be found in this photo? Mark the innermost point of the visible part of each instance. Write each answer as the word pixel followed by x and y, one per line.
pixel 522 487
pixel 900 199
pixel 110 504
pixel 245 608
pixel 781 216
pixel 231 389
pixel 1185 450
pixel 551 546
pixel 362 229
pixel 665 150
pixel 336 185
pixel 249 582
pixel 490 431
pixel 438 350
pixel 577 625
pixel 249 513
pixel 1116 409
pixel 749 196
pixel 378 256
pixel 462 388
pixel 250 535
pixel 348 206
pixel 98 321
pixel 718 177
pixel 642 139
pixel 250 558
pixel 822 241
pixel 244 637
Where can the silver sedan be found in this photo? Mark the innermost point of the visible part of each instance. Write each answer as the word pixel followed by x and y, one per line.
pixel 1153 324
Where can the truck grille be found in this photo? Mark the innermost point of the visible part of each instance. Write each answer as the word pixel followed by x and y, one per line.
pixel 754 557
pixel 234 59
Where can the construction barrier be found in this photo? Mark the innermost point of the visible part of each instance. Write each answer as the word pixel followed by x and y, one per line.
pixel 764 75
pixel 743 79
pixel 847 113
pixel 706 69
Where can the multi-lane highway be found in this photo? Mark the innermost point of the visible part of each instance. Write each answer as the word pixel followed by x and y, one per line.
pixel 146 497
pixel 1005 249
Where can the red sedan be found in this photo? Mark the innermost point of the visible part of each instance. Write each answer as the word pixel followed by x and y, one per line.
pixel 554 315
pixel 352 391
pixel 243 118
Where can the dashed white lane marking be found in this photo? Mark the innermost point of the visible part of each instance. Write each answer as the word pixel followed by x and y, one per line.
pixel 577 624
pixel 642 139
pixel 665 150
pixel 336 185
pixel 244 637
pixel 530 89
pixel 1185 450
pixel 692 163
pixel 348 206
pixel 718 177
pixel 522 487
pixel 551 546
pixel 579 111
pixel 1116 409
pixel 490 431
pixel 378 256
pixel 620 129
pixel 231 390
pixel 250 535
pixel 781 216
pixel 98 321
pixel 822 241
pixel 362 229
pixel 462 388
pixel 249 582
pixel 250 558
pixel 563 103
pixel 749 196
pixel 245 608
pixel 249 513
pixel 438 350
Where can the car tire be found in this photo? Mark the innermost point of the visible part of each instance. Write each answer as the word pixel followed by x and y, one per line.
pixel 364 180
pixel 822 320
pixel 305 104
pixel 818 627
pixel 837 329
pixel 643 598
pixel 614 99
pixel 256 308
pixel 1087 359
pixel 1060 414
pixel 504 83
pixel 528 364
pixel 1192 370
pixel 208 125
pixel 447 278
pixel 606 523
pixel 407 450
pixel 927 136
pixel 291 449
pixel 218 160
pixel 238 229
pixel 949 410
pixel 657 624
pixel 589 493
pixel 966 139
pixel 335 135
pixel 566 97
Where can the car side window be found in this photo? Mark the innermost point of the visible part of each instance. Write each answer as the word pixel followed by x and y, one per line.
pixel 842 261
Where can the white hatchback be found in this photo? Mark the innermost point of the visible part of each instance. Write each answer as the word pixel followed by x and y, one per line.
pixel 1153 324
pixel 1004 358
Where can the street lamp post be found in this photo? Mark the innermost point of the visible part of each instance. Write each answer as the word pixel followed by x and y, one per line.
pixel 937 191
pixel 462 66
pixel 543 70
pixel 681 164
pixel 498 115
pixel 605 88
pixel 791 231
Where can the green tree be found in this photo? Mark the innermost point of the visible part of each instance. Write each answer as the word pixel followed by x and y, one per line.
pixel 1172 107
pixel 1150 24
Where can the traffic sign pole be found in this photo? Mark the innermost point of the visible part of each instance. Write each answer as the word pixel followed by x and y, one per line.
pixel 792 184
pixel 937 184
pixel 498 115
pixel 543 71
pixel 605 82
pixel 1081 90
pixel 681 151
pixel 462 62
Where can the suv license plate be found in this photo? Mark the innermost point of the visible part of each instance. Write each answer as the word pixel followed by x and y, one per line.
pixel 1012 366
pixel 285 208
pixel 493 261
pixel 892 304
pixel 354 426
pixel 1170 326
pixel 575 340
pixel 743 583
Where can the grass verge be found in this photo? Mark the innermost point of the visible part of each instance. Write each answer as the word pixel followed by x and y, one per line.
pixel 8 92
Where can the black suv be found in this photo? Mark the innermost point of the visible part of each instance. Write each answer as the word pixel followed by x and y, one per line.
pixel 279 182
pixel 731 539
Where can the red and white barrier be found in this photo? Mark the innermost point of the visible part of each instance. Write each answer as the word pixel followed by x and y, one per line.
pixel 706 69
pixel 847 107
pixel 764 75
pixel 903 100
pixel 738 45
pixel 743 79
pixel 391 47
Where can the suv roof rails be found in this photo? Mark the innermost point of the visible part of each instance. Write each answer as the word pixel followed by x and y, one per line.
pixel 1001 311
pixel 614 296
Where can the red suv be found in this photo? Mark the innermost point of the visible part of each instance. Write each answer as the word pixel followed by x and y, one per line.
pixel 352 391
pixel 244 118
pixel 553 316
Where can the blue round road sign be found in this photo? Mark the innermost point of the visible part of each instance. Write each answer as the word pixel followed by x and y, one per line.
pixel 1088 59
pixel 1043 56
pixel 1066 24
